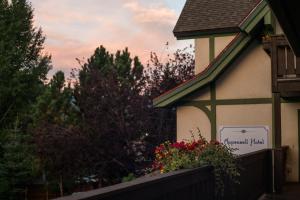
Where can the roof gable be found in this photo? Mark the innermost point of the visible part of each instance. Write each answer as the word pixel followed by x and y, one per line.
pixel 202 17
pixel 219 63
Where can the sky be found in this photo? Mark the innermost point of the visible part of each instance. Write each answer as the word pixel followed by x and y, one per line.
pixel 75 28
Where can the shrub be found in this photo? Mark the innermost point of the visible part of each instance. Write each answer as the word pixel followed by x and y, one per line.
pixel 196 153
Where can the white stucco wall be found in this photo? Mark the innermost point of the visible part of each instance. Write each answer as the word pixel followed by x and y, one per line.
pixel 221 43
pixel 248 77
pixel 201 54
pixel 189 119
pixel 245 115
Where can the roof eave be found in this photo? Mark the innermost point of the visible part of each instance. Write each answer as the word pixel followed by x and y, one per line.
pixel 211 72
pixel 288 16
pixel 183 35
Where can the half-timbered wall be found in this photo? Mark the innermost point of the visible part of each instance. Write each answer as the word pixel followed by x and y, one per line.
pixel 241 96
pixel 207 48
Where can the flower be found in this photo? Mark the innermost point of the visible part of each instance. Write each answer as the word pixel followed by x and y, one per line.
pixel 177 155
pixel 179 145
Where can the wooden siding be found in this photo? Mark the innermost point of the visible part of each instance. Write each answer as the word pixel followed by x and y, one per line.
pixel 285 66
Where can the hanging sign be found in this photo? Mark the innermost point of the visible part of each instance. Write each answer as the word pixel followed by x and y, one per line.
pixel 244 139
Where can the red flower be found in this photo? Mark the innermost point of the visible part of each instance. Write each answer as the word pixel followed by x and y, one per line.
pixel 179 145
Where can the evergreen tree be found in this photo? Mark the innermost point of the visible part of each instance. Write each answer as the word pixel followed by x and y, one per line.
pixel 59 142
pixel 110 100
pixel 17 166
pixel 23 70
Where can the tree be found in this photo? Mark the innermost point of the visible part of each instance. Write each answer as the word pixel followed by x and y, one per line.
pixel 161 77
pixel 59 142
pixel 115 94
pixel 17 166
pixel 23 70
pixel 109 97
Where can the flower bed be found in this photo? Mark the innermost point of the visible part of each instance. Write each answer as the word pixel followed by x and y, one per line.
pixel 196 153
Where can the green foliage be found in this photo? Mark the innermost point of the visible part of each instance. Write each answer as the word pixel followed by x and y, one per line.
pixel 56 105
pixel 56 133
pixel 126 70
pixel 23 70
pixel 114 94
pixel 129 177
pixel 197 153
pixel 18 165
pixel 224 163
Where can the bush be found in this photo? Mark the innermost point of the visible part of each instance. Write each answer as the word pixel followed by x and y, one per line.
pixel 196 153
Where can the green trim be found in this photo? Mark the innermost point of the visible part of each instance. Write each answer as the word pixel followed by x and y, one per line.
pixel 195 103
pixel 201 107
pixel 213 123
pixel 273 121
pixel 268 19
pixel 211 48
pixel 244 101
pixel 212 113
pixel 206 111
pixel 208 76
pixel 224 102
pixel 220 63
pixel 258 13
pixel 299 144
pixel 270 23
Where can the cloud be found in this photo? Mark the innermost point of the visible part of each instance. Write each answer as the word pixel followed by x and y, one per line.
pixel 75 28
pixel 153 13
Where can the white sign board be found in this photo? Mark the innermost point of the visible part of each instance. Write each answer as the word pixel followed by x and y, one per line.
pixel 244 139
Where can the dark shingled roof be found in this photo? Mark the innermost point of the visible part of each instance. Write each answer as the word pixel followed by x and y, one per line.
pixel 200 17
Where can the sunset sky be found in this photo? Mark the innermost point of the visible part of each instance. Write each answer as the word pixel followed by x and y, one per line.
pixel 74 28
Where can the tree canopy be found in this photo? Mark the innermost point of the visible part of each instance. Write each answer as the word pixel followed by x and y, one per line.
pixel 104 126
pixel 23 70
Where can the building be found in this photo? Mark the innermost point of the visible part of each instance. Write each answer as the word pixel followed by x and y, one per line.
pixel 246 72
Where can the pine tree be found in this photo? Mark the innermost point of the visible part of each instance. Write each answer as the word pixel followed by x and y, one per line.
pixel 59 142
pixel 17 165
pixel 23 67
pixel 23 70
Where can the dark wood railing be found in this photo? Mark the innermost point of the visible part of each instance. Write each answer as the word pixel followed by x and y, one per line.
pixel 285 65
pixel 195 184
pixel 256 176
pixel 280 157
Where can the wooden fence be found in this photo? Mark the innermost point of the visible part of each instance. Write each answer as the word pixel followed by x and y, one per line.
pixel 255 179
pixel 195 184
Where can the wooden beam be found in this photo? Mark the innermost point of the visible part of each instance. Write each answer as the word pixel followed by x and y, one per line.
pixel 277 119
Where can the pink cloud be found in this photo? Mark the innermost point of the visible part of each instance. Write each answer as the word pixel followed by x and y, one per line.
pixel 75 28
pixel 153 13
